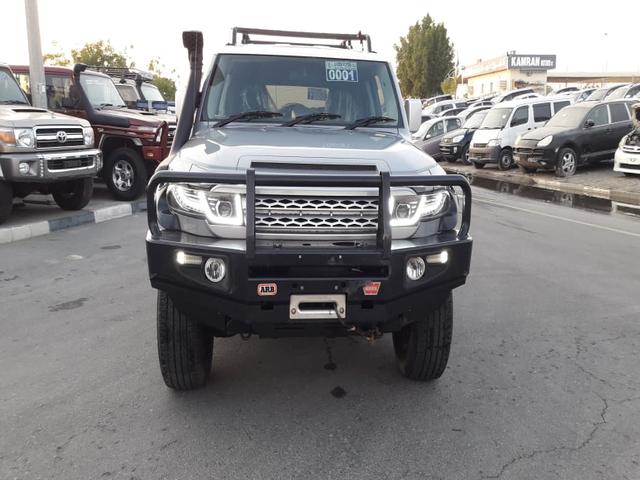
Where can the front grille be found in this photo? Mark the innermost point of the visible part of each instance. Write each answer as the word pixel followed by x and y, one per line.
pixel 529 152
pixel 630 166
pixel 479 145
pixel 316 214
pixel 59 137
pixel 631 149
pixel 66 163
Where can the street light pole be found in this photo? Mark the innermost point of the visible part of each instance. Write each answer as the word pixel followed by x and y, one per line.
pixel 36 65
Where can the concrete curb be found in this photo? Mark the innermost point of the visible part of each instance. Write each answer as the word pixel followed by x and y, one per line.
pixel 81 217
pixel 549 184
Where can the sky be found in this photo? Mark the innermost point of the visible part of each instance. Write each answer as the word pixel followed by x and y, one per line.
pixel 583 38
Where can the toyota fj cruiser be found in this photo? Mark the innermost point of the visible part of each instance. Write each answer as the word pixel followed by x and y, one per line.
pixel 42 151
pixel 293 203
pixel 133 141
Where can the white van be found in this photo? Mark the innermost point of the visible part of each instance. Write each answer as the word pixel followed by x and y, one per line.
pixel 493 142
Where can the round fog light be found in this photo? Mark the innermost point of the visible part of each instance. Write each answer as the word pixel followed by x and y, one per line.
pixel 225 209
pixel 415 268
pixel 23 168
pixel 215 269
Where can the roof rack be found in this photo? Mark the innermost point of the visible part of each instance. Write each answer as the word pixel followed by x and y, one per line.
pixel 124 73
pixel 345 38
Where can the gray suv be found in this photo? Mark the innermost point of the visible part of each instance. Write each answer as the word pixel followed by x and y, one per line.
pixel 293 203
pixel 42 151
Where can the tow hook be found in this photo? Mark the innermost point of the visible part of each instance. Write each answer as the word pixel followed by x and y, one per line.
pixel 371 335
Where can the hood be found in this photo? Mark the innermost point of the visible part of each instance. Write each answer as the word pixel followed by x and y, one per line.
pixel 135 117
pixel 459 131
pixel 167 117
pixel 294 149
pixel 483 135
pixel 542 132
pixel 25 116
pixel 635 115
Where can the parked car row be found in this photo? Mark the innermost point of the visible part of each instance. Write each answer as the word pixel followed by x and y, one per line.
pixel 558 132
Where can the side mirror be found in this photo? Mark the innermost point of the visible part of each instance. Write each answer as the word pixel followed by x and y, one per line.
pixel 589 123
pixel 413 109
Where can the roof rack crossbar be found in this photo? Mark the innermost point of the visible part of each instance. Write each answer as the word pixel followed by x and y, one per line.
pixel 346 38
pixel 123 72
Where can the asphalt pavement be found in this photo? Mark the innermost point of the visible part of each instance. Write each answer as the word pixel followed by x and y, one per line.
pixel 543 379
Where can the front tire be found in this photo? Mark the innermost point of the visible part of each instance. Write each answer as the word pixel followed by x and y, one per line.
pixel 464 155
pixel 505 160
pixel 422 348
pixel 185 347
pixel 6 201
pixel 74 194
pixel 125 174
pixel 567 162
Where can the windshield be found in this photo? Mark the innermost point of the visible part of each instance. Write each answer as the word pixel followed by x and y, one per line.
pixel 475 120
pixel 151 92
pixel 568 117
pixel 597 95
pixel 100 91
pixel 496 118
pixel 127 92
pixel 9 90
pixel 295 86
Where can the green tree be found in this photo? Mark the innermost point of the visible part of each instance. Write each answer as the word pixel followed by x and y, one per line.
pixel 56 59
pixel 424 57
pixel 166 85
pixel 102 54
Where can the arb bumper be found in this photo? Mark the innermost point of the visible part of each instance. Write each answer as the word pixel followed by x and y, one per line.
pixel 264 290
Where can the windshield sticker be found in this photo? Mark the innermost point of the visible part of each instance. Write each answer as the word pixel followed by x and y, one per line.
pixel 338 71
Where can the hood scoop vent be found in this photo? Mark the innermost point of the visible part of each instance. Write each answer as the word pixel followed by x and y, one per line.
pixel 29 110
pixel 324 167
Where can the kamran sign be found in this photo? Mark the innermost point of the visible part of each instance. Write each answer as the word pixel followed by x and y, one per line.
pixel 532 62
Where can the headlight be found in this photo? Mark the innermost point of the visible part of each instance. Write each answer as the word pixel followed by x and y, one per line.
pixel 408 209
pixel 214 204
pixel 7 137
pixel 546 141
pixel 494 142
pixel 623 141
pixel 457 139
pixel 25 137
pixel 87 133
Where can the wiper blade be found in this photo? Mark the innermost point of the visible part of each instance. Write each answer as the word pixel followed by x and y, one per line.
pixel 13 102
pixel 103 105
pixel 311 117
pixel 364 122
pixel 247 116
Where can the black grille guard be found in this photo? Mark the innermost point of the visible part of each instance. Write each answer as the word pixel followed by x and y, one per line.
pixel 383 182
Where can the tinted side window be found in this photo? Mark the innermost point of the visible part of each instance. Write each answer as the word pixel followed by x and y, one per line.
pixel 557 106
pixel 452 124
pixel 619 112
pixel 541 112
pixel 599 115
pixel 61 93
pixel 520 117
